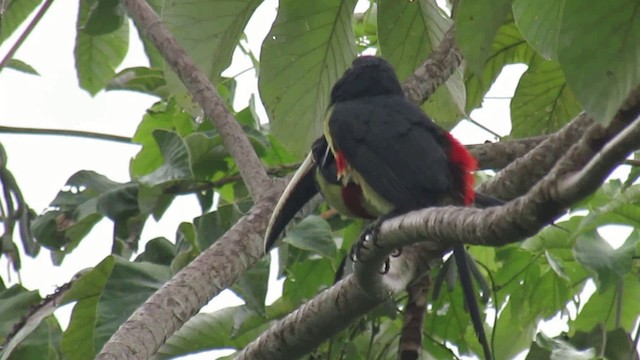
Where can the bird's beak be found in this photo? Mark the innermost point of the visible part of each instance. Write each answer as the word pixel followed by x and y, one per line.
pixel 298 192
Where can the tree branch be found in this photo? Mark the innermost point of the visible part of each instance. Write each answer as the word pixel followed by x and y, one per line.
pixel 496 156
pixel 519 176
pixel 330 311
pixel 181 297
pixel 23 37
pixel 205 94
pixel 441 64
pixel 64 132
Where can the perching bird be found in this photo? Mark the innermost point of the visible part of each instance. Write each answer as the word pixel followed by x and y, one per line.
pixel 382 156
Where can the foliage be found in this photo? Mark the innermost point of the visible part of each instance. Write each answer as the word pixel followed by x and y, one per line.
pixel 306 50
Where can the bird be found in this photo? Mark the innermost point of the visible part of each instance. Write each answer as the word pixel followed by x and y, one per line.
pixel 381 156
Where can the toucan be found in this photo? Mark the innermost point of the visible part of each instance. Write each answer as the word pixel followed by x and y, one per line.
pixel 382 156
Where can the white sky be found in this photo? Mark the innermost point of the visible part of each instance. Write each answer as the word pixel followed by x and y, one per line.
pixel 42 164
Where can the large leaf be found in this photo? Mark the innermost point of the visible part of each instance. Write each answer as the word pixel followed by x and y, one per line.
pixel 539 22
pixel 308 48
pixel 508 48
pixel 42 343
pixel 15 12
pixel 76 209
pixel 601 308
pixel 407 32
pixel 621 207
pixel 162 115
pixel 610 265
pixel 208 30
pixel 106 296
pixel 603 67
pixel 313 233
pixel 477 23
pixel 15 302
pixel 231 327
pixel 105 16
pixel 543 102
pixel 252 286
pixel 98 56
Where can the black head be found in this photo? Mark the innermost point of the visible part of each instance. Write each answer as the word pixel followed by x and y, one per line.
pixel 367 76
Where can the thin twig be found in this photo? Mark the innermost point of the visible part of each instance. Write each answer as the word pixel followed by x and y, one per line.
pixel 64 132
pixel 25 34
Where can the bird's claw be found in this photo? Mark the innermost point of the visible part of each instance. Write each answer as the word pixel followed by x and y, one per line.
pixel 370 236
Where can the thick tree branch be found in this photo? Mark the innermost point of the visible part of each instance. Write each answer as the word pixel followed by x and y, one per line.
pixel 180 298
pixel 441 64
pixel 517 178
pixel 205 94
pixel 331 311
pixel 496 156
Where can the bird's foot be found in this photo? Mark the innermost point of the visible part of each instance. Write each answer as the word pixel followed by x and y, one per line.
pixel 369 236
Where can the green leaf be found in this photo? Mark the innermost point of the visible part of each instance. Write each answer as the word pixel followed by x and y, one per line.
pixel 15 303
pixel 601 307
pixel 314 234
pixel 42 343
pixel 508 48
pixel 186 247
pixel 618 208
pixel 158 251
pixel 477 23
pixel 208 30
pixel 176 165
pixel 407 32
pixel 610 266
pixel 306 278
pixel 163 115
pixel 210 227
pixel 539 22
pixel 446 318
pixel 16 11
pixel 98 56
pixel 231 327
pixel 511 334
pixel 105 16
pixel 614 344
pixel 560 348
pixel 76 209
pixel 21 66
pixel 601 68
pixel 78 341
pixel 308 48
pixel 542 103
pixel 106 296
pixel 252 286
pixel 141 79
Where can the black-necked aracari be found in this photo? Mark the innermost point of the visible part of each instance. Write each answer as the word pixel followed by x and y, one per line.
pixel 382 156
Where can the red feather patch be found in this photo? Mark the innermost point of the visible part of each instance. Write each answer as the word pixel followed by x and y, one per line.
pixel 341 163
pixel 460 156
pixel 353 198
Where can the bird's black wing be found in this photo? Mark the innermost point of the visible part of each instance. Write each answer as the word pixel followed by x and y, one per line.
pixel 394 146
